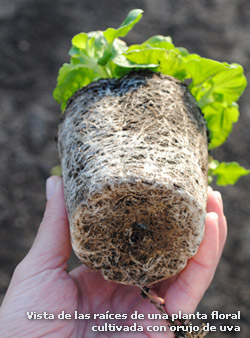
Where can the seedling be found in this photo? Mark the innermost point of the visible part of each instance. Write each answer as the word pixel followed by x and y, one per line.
pixel 134 144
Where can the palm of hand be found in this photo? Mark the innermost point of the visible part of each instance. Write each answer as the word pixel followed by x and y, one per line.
pixel 41 283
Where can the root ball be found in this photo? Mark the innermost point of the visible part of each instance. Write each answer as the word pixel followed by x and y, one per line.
pixel 134 158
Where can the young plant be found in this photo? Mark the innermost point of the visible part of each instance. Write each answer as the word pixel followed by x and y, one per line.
pixel 134 149
pixel 215 86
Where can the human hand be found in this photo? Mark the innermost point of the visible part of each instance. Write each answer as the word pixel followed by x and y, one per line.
pixel 41 282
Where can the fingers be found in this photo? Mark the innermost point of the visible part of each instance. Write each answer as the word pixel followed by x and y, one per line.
pixel 215 204
pixel 190 285
pixel 51 248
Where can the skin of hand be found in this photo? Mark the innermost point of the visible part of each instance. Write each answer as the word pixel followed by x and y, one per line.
pixel 41 283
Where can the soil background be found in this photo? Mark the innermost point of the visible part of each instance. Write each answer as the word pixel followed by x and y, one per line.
pixel 35 37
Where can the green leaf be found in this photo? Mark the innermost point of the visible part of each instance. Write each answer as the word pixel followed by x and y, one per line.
pixel 162 60
pixel 90 50
pixel 229 173
pixel 212 80
pixel 201 69
pixel 220 119
pixel 80 41
pixel 86 51
pixel 148 57
pixel 71 78
pixel 182 51
pixel 123 61
pixel 56 170
pixel 216 86
pixel 116 49
pixel 156 41
pixel 172 64
pixel 230 83
pixel 132 18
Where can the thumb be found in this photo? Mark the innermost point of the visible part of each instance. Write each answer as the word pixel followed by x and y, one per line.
pixel 51 248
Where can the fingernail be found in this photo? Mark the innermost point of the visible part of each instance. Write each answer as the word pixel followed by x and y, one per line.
pixel 215 216
pixel 209 189
pixel 218 196
pixel 50 187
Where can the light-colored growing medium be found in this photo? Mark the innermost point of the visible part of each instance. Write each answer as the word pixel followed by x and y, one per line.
pixel 134 159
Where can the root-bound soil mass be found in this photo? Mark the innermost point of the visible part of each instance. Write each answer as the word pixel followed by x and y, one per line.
pixel 134 159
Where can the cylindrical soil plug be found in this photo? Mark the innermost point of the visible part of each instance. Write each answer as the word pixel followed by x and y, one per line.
pixel 134 156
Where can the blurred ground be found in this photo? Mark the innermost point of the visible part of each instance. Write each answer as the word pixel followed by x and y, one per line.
pixel 35 38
